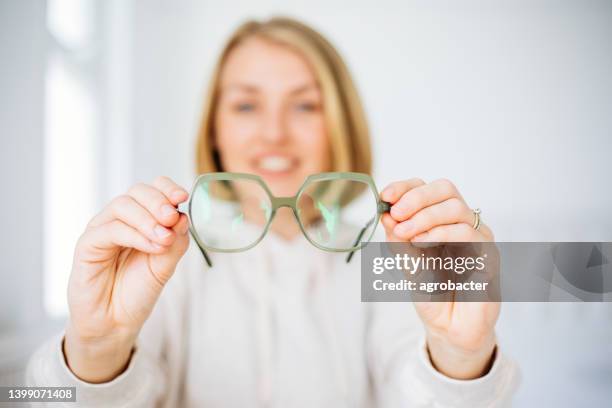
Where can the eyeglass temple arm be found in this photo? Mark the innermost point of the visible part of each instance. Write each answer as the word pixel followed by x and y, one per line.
pixel 193 236
pixel 202 250
pixel 383 207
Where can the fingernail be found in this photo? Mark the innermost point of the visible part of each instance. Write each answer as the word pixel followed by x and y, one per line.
pixel 161 232
pixel 178 194
pixel 404 228
pixel 387 192
pixel 398 211
pixel 401 206
pixel 156 245
pixel 168 210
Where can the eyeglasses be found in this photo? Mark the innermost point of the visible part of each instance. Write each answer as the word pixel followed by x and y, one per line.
pixel 232 212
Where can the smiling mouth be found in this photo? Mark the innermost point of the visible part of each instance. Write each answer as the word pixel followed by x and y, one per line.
pixel 275 164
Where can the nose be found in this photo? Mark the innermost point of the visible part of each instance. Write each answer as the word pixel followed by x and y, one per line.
pixel 274 129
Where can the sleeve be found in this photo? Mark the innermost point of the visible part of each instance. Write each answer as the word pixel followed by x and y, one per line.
pixel 138 386
pixel 155 374
pixel 402 373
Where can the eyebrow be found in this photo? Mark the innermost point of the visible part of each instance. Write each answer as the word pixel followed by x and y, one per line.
pixel 255 89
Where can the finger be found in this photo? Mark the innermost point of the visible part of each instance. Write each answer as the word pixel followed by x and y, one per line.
pixel 163 265
pixel 156 203
pixel 389 224
pixel 486 231
pixel 175 193
pixel 450 211
pixel 395 190
pixel 458 233
pixel 126 209
pixel 182 226
pixel 423 196
pixel 450 233
pixel 101 242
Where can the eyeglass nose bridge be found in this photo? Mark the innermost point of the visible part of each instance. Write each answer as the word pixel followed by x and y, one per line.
pixel 278 202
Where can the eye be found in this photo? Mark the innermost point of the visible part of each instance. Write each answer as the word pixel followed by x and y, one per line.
pixel 244 107
pixel 306 107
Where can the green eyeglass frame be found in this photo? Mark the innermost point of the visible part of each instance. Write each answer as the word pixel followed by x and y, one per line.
pixel 291 202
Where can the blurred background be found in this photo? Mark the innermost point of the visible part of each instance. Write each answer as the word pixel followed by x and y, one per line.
pixel 511 100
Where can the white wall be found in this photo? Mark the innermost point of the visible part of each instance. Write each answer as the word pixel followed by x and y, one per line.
pixel 21 117
pixel 22 48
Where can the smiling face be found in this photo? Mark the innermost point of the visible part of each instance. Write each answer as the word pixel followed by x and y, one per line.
pixel 269 117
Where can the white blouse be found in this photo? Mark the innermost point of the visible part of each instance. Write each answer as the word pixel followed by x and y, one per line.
pixel 280 325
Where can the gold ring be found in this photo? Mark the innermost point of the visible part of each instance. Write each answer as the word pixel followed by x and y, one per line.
pixel 476 212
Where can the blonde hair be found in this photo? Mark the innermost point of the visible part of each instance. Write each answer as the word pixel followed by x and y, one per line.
pixel 345 120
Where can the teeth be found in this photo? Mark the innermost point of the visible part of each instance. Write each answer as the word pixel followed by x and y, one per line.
pixel 274 163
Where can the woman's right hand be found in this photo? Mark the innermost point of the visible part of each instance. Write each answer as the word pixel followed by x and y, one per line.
pixel 121 263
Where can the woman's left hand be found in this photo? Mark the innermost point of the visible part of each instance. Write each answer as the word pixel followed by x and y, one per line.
pixel 460 335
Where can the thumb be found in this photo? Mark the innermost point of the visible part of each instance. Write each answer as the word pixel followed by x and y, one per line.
pixel 164 264
pixel 389 224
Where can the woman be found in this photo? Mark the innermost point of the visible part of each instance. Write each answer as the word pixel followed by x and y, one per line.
pixel 281 324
